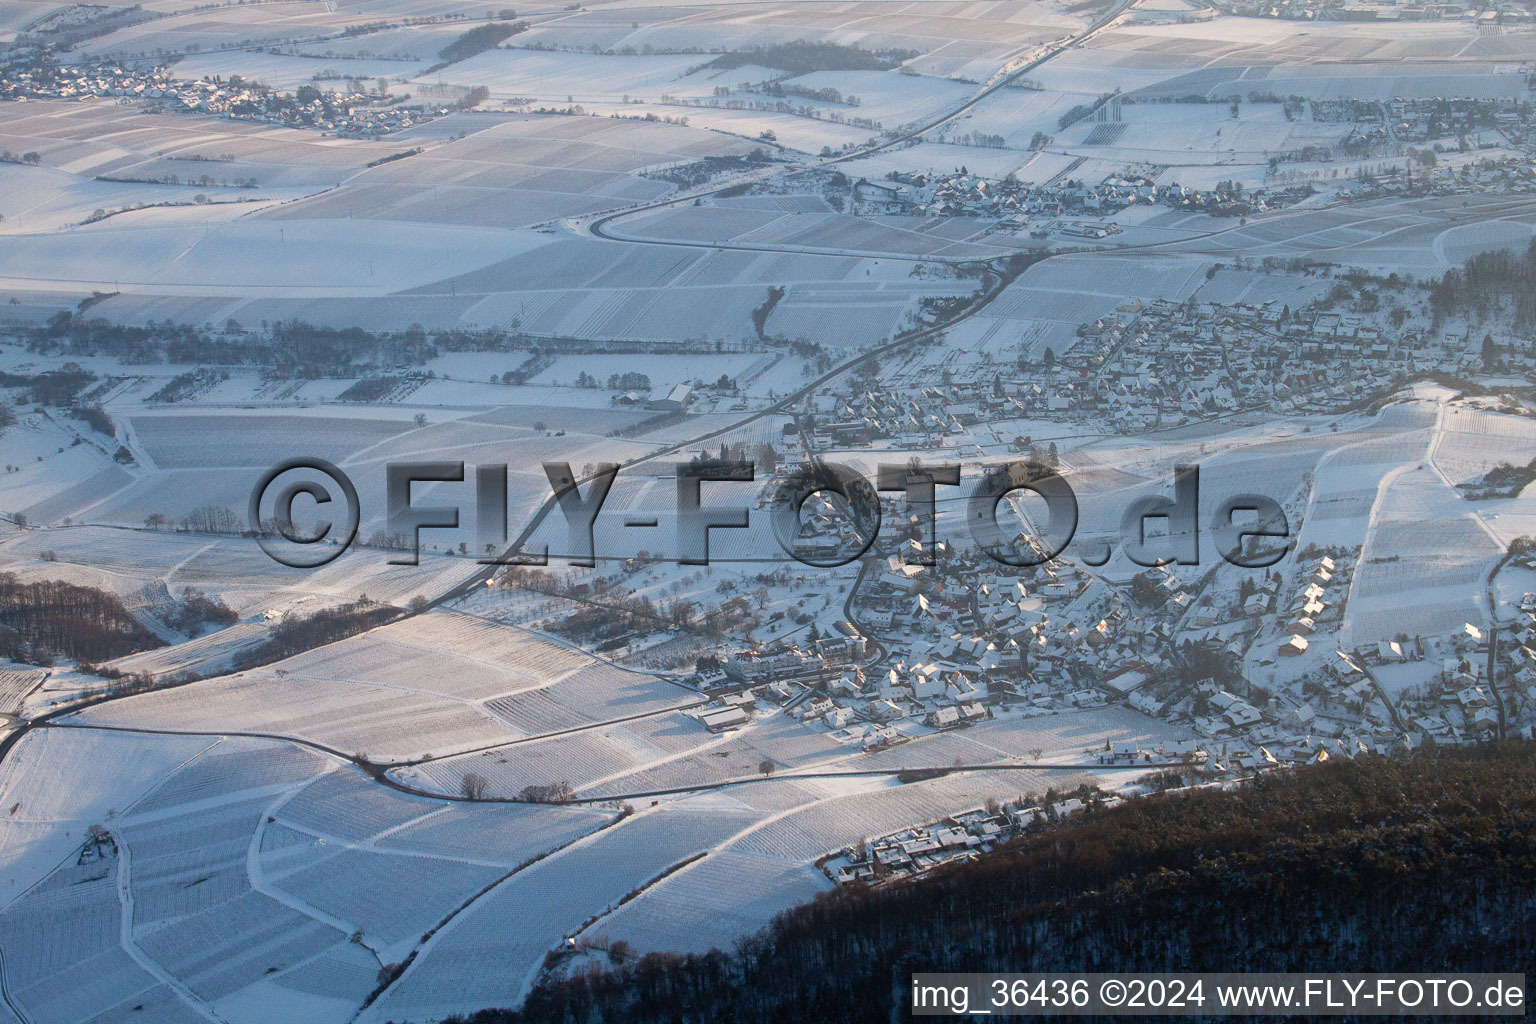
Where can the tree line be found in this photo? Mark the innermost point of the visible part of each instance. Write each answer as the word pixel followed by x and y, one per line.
pixel 1486 283
pixel 44 619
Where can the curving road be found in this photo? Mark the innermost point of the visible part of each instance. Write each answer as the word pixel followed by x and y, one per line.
pixel 600 226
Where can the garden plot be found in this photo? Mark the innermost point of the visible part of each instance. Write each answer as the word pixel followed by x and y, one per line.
pixel 347 805
pixel 99 137
pixel 419 44
pixel 49 465
pixel 889 237
pixel 383 723
pixel 477 960
pixel 711 903
pixel 889 97
pixel 1425 560
pixel 56 783
pixel 378 659
pixel 46 199
pixel 190 862
pixel 206 253
pixel 580 759
pixel 1345 488
pixel 555 76
pixel 16 682
pixel 1456 245
pixel 1472 441
pixel 220 951
pixel 528 654
pixel 218 29
pixel 367 889
pixel 325 989
pixel 203 655
pixel 518 171
pixel 136 564
pixel 228 768
pixel 956 38
pixel 1279 41
pixel 1016 115
pixel 1067 737
pixel 986 28
pixel 660 367
pixel 593 289
pixel 1203 134
pixel 794 132
pixel 177 441
pixel 503 834
pixel 595 693
pixel 71 499
pixel 1230 287
pixel 63 959
pixel 288 72
pixel 776 738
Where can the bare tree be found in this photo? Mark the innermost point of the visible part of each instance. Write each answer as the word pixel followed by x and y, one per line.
pixel 474 786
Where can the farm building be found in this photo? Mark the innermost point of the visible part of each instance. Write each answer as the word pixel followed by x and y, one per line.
pixel 720 719
pixel 673 399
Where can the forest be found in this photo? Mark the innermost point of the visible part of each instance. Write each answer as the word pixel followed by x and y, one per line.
pixel 45 619
pixel 1423 862
pixel 1485 283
